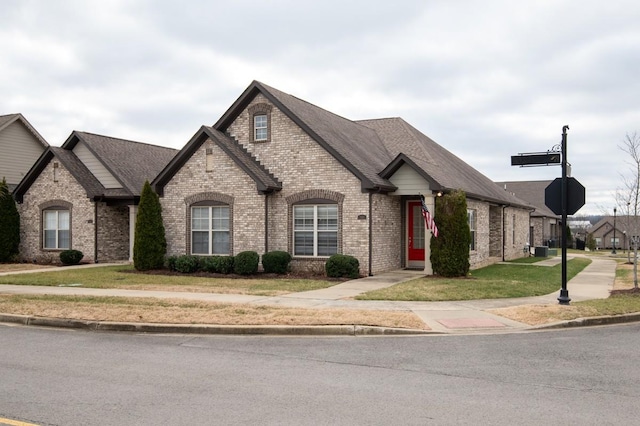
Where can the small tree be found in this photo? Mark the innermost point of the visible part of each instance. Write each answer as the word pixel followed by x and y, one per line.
pixel 149 245
pixel 9 224
pixel 591 242
pixel 450 250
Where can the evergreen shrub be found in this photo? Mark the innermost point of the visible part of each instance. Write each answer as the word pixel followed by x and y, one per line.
pixel 217 264
pixel 187 264
pixel 450 251
pixel 246 263
pixel 9 225
pixel 150 245
pixel 276 262
pixel 342 265
pixel 71 257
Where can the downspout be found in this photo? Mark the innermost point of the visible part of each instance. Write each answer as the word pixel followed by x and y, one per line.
pixel 370 232
pixel 95 229
pixel 504 240
pixel 266 222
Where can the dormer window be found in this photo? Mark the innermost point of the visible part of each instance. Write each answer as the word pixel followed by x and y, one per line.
pixel 260 122
pixel 260 127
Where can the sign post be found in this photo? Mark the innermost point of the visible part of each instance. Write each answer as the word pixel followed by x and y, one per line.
pixel 564 196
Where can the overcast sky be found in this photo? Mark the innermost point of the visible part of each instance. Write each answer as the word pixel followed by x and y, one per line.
pixel 485 79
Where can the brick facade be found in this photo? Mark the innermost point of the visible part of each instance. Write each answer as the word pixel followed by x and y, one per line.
pixel 66 192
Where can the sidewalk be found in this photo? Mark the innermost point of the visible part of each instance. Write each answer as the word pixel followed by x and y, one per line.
pixel 469 316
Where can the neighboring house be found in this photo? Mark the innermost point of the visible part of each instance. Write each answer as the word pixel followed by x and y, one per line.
pixel 603 232
pixel 20 145
pixel 278 173
pixel 83 196
pixel 545 225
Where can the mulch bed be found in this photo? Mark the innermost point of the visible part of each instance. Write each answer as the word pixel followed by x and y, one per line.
pixel 259 275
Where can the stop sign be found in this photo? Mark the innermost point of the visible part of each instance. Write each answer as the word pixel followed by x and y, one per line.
pixel 575 196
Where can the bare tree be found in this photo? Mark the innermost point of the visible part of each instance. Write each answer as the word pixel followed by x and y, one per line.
pixel 628 197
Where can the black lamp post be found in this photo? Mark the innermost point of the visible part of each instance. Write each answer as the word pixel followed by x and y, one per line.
pixel 614 231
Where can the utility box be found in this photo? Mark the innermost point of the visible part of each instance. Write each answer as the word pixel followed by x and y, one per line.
pixel 542 251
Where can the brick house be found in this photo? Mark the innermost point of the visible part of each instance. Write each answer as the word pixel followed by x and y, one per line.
pixel 545 225
pixel 278 173
pixel 83 196
pixel 21 145
pixel 605 237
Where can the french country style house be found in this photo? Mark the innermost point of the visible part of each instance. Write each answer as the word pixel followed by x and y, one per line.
pixel 21 145
pixel 278 173
pixel 84 196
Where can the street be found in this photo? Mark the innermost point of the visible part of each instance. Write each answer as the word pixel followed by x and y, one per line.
pixel 582 376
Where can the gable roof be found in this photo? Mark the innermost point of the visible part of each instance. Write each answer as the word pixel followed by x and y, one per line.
pixel 533 192
pixel 265 181
pixel 131 163
pixel 357 147
pixel 6 120
pixel 374 149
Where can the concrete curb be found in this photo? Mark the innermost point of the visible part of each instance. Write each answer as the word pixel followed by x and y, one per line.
pixel 272 330
pixel 590 321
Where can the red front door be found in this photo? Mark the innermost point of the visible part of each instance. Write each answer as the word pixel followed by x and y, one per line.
pixel 415 231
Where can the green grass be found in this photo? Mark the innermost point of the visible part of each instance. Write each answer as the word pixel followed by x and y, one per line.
pixel 492 282
pixel 122 276
pixel 616 304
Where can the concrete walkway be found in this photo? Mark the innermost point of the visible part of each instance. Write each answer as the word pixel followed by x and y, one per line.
pixel 594 282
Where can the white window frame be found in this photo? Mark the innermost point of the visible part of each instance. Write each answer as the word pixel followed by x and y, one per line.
pixel 211 229
pixel 472 217
pixel 316 229
pixel 260 126
pixel 57 228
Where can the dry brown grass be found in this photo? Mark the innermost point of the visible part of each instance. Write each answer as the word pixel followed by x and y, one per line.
pixel 172 311
pixel 13 267
pixel 547 314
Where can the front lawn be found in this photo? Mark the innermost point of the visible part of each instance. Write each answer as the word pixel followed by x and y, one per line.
pixel 493 282
pixel 125 277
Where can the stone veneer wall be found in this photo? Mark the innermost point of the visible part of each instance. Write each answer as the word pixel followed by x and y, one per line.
pixel 44 191
pixel 113 233
pixel 514 248
pixel 538 224
pixel 481 255
pixel 387 233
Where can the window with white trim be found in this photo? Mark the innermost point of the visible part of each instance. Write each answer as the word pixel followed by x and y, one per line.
pixel 210 230
pixel 315 230
pixel 260 127
pixel 471 219
pixel 55 229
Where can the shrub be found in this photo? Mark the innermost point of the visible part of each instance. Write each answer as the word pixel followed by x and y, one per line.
pixel 187 264
pixel 9 225
pixel 71 257
pixel 342 265
pixel 246 263
pixel 450 251
pixel 150 245
pixel 217 264
pixel 276 262
pixel 170 262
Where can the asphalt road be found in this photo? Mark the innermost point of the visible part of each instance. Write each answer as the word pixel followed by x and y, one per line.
pixel 583 376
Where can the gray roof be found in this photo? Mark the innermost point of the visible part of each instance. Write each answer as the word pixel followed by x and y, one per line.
pixel 131 163
pixel 533 193
pixel 5 120
pixel 373 149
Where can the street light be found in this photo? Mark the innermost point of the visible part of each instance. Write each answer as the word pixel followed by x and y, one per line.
pixel 614 231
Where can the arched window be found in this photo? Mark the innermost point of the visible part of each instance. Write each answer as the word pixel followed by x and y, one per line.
pixel 56 225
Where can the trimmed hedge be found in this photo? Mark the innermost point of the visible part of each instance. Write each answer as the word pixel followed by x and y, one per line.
pixel 217 264
pixel 71 257
pixel 276 262
pixel 9 225
pixel 246 263
pixel 342 265
pixel 187 264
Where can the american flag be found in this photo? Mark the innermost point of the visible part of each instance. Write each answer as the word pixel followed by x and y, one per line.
pixel 428 219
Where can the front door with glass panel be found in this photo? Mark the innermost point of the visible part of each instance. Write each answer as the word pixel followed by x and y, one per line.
pixel 415 234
